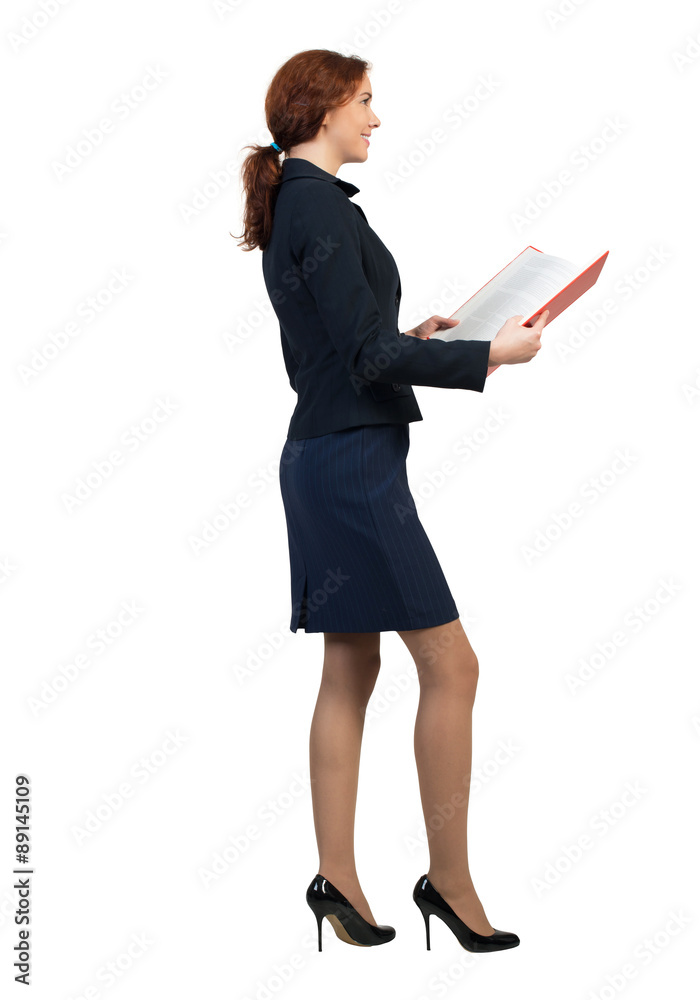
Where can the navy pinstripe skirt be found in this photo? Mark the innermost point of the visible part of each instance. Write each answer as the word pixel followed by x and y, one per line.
pixel 359 557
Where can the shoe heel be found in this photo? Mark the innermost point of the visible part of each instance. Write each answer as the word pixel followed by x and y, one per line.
pixel 326 901
pixel 426 916
pixel 428 900
pixel 319 921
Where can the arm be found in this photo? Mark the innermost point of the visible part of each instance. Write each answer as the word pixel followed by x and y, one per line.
pixel 327 245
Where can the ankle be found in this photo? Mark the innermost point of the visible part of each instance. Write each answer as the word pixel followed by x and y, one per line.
pixel 455 885
pixel 339 876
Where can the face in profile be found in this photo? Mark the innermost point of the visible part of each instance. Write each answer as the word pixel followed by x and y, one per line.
pixel 350 127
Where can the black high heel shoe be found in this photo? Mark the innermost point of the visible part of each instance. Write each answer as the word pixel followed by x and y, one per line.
pixel 428 900
pixel 349 925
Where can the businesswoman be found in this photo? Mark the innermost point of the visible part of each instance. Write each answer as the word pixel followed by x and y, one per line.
pixel 360 561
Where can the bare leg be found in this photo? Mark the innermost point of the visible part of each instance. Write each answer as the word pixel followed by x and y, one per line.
pixel 350 667
pixel 448 671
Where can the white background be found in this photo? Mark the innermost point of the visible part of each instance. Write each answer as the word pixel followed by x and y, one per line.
pixel 185 349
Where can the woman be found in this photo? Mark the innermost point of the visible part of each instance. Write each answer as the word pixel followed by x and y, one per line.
pixel 360 560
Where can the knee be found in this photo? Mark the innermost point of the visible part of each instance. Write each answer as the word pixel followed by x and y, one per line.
pixel 353 675
pixel 368 672
pixel 459 673
pixel 373 665
pixel 469 672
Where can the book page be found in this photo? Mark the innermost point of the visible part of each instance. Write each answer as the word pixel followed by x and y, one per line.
pixel 525 285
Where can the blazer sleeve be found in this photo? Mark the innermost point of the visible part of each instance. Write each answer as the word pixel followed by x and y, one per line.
pixel 290 362
pixel 326 243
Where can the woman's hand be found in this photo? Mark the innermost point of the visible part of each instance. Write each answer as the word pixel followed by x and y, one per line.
pixel 512 345
pixel 431 325
pixel 515 344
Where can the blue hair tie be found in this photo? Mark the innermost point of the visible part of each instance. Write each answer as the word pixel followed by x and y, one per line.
pixel 276 147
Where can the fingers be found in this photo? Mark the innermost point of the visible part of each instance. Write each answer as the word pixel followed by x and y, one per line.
pixel 539 323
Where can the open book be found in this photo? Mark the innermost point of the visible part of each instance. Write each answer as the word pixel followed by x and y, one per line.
pixel 531 283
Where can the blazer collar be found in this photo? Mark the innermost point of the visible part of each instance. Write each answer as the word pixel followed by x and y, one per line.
pixel 297 166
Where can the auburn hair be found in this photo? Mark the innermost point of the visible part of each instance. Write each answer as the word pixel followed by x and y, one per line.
pixel 301 92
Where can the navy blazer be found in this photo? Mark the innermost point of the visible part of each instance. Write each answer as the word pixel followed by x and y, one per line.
pixel 336 291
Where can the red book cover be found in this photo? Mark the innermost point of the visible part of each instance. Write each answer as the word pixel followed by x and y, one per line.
pixel 556 303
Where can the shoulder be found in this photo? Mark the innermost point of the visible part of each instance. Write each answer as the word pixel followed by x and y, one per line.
pixel 318 207
pixel 309 196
